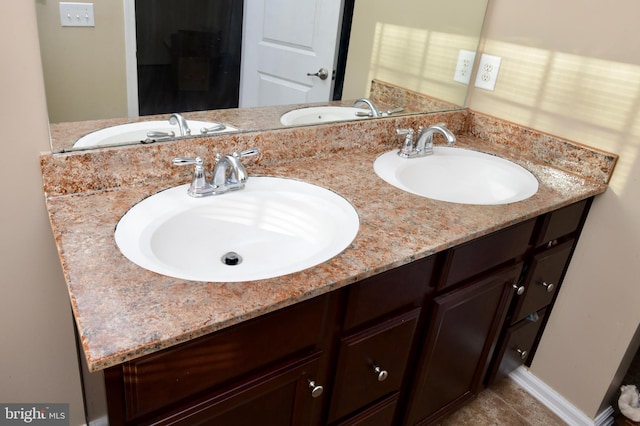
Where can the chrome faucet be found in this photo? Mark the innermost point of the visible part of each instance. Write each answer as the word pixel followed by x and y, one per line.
pixel 374 111
pixel 424 144
pixel 181 122
pixel 228 174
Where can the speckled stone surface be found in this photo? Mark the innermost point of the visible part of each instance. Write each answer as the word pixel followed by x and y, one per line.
pixel 394 96
pixel 124 311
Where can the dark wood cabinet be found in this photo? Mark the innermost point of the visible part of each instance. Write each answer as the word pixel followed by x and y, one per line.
pixel 404 347
pixel 462 329
pixel 547 262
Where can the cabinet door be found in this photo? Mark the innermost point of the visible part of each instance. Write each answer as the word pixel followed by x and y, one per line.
pixel 461 336
pixel 283 396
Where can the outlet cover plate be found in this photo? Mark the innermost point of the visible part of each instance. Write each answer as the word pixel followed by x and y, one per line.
pixel 488 71
pixel 76 14
pixel 464 67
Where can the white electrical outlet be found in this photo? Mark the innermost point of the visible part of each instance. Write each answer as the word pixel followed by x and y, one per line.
pixel 76 14
pixel 488 71
pixel 464 67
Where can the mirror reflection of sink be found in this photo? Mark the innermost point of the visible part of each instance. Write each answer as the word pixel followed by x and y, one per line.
pixel 459 176
pixel 138 132
pixel 272 227
pixel 323 114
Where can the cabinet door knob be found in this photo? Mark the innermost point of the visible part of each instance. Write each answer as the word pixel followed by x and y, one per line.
pixel 549 286
pixel 316 390
pixel 380 373
pixel 519 289
pixel 523 354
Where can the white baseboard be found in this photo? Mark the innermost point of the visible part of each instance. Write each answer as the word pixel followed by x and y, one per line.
pixel 557 403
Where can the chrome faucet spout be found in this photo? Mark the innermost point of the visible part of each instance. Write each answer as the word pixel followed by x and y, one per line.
pixel 181 122
pixel 424 145
pixel 372 107
pixel 423 141
pixel 229 173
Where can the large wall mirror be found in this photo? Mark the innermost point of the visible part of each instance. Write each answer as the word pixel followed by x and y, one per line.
pixel 93 77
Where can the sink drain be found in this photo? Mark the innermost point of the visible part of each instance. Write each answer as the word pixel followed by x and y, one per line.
pixel 232 258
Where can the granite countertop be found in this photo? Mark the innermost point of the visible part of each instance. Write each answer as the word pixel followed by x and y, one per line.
pixel 124 311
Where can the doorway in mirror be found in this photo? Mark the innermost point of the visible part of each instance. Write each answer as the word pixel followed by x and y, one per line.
pixel 188 54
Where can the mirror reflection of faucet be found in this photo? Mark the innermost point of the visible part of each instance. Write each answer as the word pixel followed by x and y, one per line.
pixel 423 140
pixel 228 174
pixel 374 110
pixel 181 122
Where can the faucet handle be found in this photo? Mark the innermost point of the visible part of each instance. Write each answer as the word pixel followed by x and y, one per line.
pixel 407 145
pixel 199 185
pixel 247 153
pixel 185 161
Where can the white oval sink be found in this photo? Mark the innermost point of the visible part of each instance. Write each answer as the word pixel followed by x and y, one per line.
pixel 138 132
pixel 277 226
pixel 323 114
pixel 458 175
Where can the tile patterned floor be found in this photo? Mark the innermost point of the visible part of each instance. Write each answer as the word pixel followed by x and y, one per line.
pixel 505 404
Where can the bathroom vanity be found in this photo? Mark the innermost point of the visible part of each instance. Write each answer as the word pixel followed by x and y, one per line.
pixel 430 303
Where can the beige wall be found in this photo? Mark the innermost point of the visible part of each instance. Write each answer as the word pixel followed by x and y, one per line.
pixel 413 44
pixel 572 68
pixel 84 68
pixel 38 361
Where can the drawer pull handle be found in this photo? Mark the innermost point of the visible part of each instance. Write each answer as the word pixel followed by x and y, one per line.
pixel 316 390
pixel 519 289
pixel 523 354
pixel 548 286
pixel 380 373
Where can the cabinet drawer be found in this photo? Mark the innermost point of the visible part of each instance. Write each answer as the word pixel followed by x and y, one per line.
pixel 279 396
pixel 175 374
pixel 402 288
pixel 371 364
pixel 516 347
pixel 380 414
pixel 543 279
pixel 487 252
pixel 562 222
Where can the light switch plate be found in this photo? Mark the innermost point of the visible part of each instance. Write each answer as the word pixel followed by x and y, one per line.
pixel 76 14
pixel 488 71
pixel 464 67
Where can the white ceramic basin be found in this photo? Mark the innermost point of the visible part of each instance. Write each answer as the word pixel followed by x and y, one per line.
pixel 138 132
pixel 459 176
pixel 277 226
pixel 323 114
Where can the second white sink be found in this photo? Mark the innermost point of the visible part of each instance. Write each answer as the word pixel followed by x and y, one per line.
pixel 459 176
pixel 322 114
pixel 270 228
